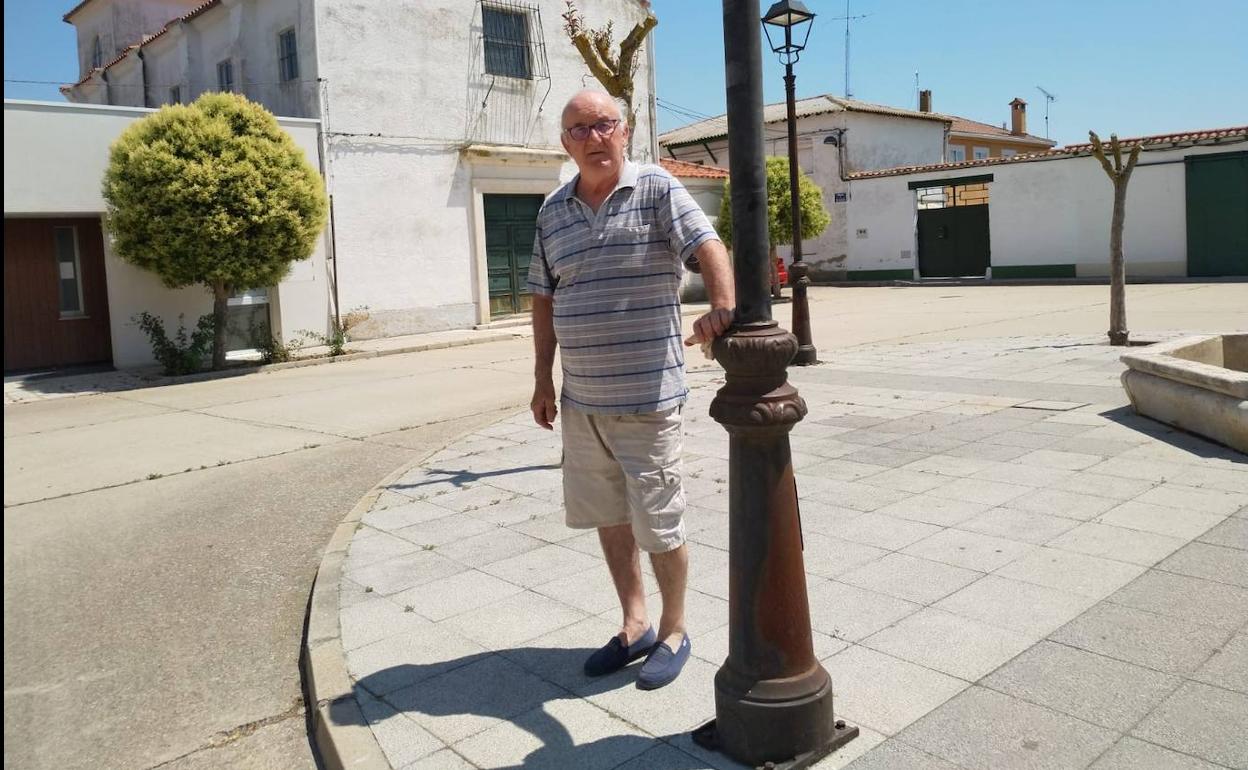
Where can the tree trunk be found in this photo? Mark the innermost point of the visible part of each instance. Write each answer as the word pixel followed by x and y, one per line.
pixel 220 300
pixel 631 118
pixel 1118 268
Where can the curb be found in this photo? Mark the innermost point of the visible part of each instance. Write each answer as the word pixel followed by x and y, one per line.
pixel 349 742
pixel 325 360
pixel 152 379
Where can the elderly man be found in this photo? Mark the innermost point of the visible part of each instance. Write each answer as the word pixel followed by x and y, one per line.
pixel 605 277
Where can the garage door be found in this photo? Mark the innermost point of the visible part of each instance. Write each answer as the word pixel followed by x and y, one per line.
pixel 1217 215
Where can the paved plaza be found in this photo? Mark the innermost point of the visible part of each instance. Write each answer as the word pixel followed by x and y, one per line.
pixel 162 537
pixel 1006 568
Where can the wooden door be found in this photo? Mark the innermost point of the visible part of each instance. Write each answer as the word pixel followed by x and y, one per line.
pixel 55 295
pixel 510 226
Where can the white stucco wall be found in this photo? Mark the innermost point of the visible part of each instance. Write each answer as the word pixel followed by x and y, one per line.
pixel 1053 212
pixel 872 142
pixel 120 23
pixel 243 31
pixel 883 141
pixel 55 156
pixel 403 93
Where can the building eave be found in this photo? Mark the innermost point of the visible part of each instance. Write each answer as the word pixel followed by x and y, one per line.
pixel 1202 138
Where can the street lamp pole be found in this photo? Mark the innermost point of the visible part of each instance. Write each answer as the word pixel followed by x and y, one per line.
pixel 773 699
pixel 792 15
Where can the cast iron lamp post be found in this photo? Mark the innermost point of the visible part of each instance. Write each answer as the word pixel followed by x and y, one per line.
pixel 796 20
pixel 773 700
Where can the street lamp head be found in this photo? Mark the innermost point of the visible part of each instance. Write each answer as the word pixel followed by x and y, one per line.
pixel 795 18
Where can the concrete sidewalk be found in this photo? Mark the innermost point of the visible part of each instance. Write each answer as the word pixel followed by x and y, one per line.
pixel 1006 568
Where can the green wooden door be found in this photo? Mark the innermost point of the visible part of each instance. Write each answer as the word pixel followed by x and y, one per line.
pixel 510 226
pixel 1217 214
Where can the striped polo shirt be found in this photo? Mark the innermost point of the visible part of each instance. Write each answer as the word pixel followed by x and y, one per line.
pixel 615 278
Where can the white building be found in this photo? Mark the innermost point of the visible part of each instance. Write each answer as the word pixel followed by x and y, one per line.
pixel 439 125
pixel 835 138
pixel 68 300
pixel 1047 214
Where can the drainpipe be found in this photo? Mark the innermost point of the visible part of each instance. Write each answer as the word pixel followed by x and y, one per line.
pixel 147 102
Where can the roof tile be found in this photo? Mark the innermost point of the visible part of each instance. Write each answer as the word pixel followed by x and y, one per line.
pixel 681 168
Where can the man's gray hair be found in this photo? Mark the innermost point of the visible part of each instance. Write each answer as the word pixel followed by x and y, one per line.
pixel 621 107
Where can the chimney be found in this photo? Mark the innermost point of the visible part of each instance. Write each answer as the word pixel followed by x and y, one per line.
pixel 925 100
pixel 1018 117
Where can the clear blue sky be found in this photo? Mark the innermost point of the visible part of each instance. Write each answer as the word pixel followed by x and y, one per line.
pixel 1128 66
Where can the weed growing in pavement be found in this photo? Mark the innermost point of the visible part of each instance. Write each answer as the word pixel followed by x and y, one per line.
pixel 339 331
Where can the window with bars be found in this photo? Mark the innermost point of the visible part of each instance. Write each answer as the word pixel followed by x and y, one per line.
pixel 287 56
pixel 506 42
pixel 225 75
pixel 69 271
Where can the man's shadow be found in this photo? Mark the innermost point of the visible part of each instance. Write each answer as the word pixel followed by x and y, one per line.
pixel 558 749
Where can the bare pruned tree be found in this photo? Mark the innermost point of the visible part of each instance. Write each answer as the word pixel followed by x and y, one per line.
pixel 1119 175
pixel 614 70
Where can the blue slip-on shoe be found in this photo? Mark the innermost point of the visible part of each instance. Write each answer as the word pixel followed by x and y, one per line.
pixel 663 665
pixel 614 656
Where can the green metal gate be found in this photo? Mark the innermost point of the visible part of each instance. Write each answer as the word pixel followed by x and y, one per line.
pixel 1217 214
pixel 953 227
pixel 510 225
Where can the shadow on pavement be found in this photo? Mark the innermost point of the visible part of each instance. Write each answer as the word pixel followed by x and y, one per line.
pixel 484 698
pixel 1192 443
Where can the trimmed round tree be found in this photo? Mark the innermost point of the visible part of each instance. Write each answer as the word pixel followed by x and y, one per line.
pixel 815 218
pixel 213 193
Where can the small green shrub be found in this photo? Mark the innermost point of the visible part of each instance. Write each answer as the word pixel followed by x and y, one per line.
pixel 272 350
pixel 186 353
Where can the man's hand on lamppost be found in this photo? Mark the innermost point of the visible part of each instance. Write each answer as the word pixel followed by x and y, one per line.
pixel 543 404
pixel 708 327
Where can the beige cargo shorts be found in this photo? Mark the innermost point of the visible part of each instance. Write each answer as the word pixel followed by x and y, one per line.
pixel 625 469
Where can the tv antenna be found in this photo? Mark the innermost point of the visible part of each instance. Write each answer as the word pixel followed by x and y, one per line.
pixel 848 19
pixel 1048 99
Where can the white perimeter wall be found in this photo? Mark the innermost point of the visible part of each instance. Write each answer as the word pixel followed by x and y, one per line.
pixel 404 85
pixel 871 142
pixel 55 156
pixel 1054 212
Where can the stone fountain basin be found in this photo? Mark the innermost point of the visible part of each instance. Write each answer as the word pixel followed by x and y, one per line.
pixel 1199 384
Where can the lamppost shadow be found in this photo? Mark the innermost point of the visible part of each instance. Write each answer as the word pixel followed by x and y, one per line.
pixel 463 691
pixel 462 476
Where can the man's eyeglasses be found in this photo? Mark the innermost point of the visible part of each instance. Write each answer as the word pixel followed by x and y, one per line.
pixel 603 128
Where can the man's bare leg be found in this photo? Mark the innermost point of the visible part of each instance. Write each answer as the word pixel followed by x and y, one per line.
pixel 620 550
pixel 671 569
